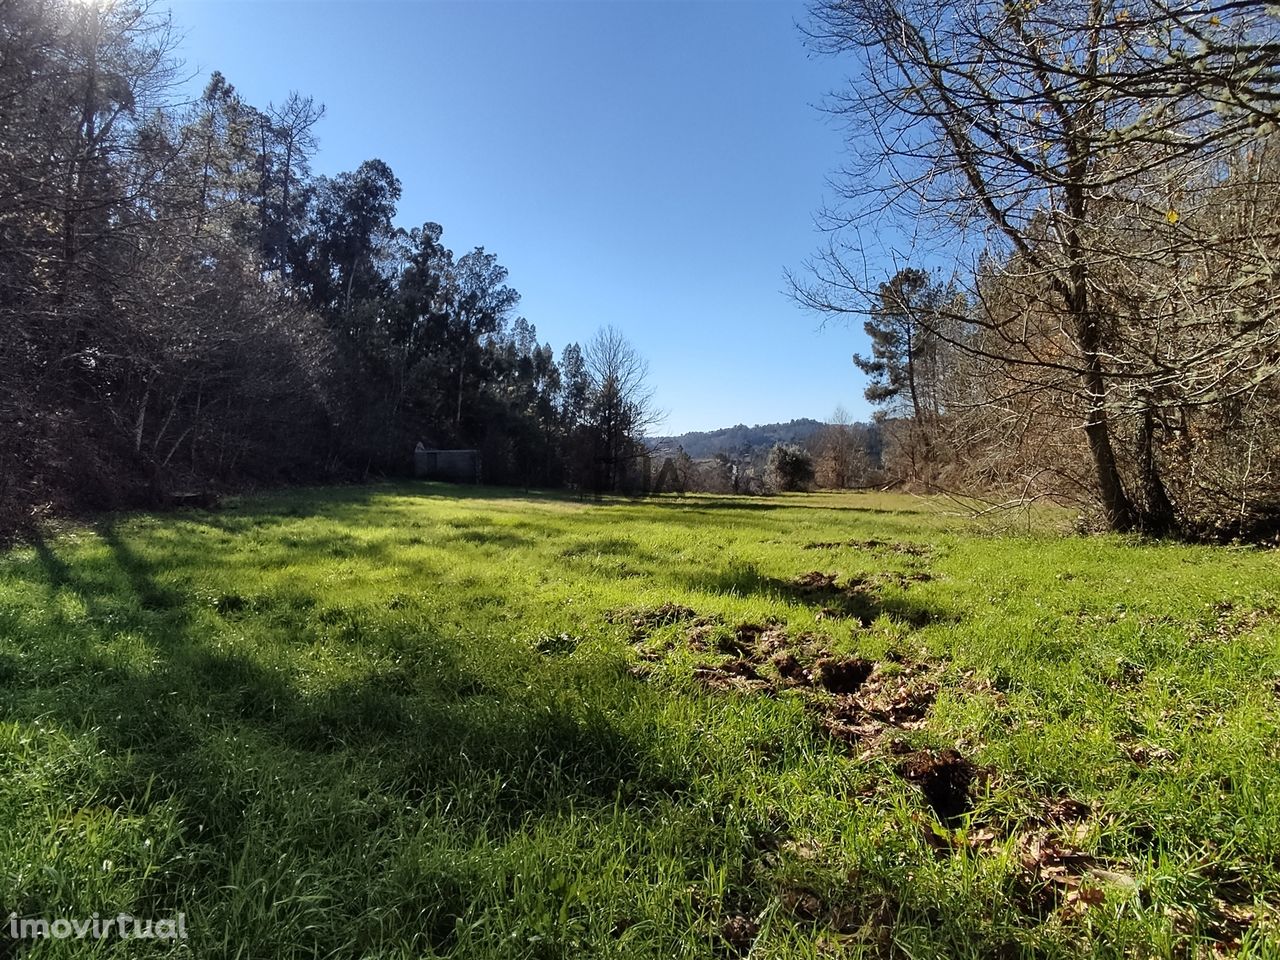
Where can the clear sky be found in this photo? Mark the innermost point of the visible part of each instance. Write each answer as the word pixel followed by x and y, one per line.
pixel 654 165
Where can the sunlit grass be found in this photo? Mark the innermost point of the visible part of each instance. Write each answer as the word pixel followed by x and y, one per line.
pixel 412 721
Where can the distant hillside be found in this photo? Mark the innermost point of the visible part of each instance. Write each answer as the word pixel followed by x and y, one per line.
pixel 742 441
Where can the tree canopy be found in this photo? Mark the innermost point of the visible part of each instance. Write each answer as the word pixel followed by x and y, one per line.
pixel 183 304
pixel 1100 176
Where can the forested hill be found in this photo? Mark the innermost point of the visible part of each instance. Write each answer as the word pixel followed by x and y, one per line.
pixel 742 440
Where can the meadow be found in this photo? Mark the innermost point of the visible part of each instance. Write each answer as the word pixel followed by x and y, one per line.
pixel 414 720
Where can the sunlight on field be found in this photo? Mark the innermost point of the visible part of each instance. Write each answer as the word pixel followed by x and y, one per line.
pixel 417 720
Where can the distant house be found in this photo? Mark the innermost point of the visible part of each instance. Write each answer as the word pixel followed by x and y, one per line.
pixel 455 466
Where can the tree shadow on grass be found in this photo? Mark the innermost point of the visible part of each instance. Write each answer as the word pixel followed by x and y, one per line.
pixel 239 742
pixel 744 502
pixel 864 598
pixel 491 536
pixel 623 547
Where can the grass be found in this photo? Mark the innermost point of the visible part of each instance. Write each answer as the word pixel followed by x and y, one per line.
pixel 416 721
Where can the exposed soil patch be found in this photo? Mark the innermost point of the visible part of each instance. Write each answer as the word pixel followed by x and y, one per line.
pixel 859 597
pixel 856 917
pixel 559 645
pixel 1063 810
pixel 1057 875
pixel 801 904
pixel 1126 675
pixel 739 675
pixel 864 704
pixel 890 578
pixel 742 642
pixel 859 702
pixel 816 580
pixel 894 546
pixel 760 644
pixel 1228 923
pixel 739 934
pixel 894 697
pixel 1236 907
pixel 791 670
pixel 1051 871
pixel 645 622
pixel 701 632
pixel 945 778
pixel 843 676
pixel 1148 754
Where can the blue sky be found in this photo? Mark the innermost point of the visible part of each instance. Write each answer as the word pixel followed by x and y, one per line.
pixel 654 165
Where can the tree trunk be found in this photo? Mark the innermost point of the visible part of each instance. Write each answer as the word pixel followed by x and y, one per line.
pixel 910 329
pixel 286 229
pixel 462 372
pixel 1116 505
pixel 1158 515
pixel 141 420
pixel 1115 502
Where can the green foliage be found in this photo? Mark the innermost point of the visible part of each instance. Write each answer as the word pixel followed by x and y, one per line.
pixel 226 318
pixel 904 343
pixel 410 721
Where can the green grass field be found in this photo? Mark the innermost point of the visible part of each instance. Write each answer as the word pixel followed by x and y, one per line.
pixel 417 721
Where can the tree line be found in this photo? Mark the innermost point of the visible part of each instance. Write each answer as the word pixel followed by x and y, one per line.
pixel 184 304
pixel 838 454
pixel 1086 306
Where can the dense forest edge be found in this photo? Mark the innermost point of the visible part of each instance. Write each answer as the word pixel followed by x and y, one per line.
pixel 186 307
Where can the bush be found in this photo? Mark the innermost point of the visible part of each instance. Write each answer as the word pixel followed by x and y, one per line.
pixel 789 468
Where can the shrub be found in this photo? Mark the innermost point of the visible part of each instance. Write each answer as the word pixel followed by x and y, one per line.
pixel 789 468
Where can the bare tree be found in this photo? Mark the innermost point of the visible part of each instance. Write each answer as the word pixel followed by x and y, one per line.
pixel 840 458
pixel 622 404
pixel 1056 143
